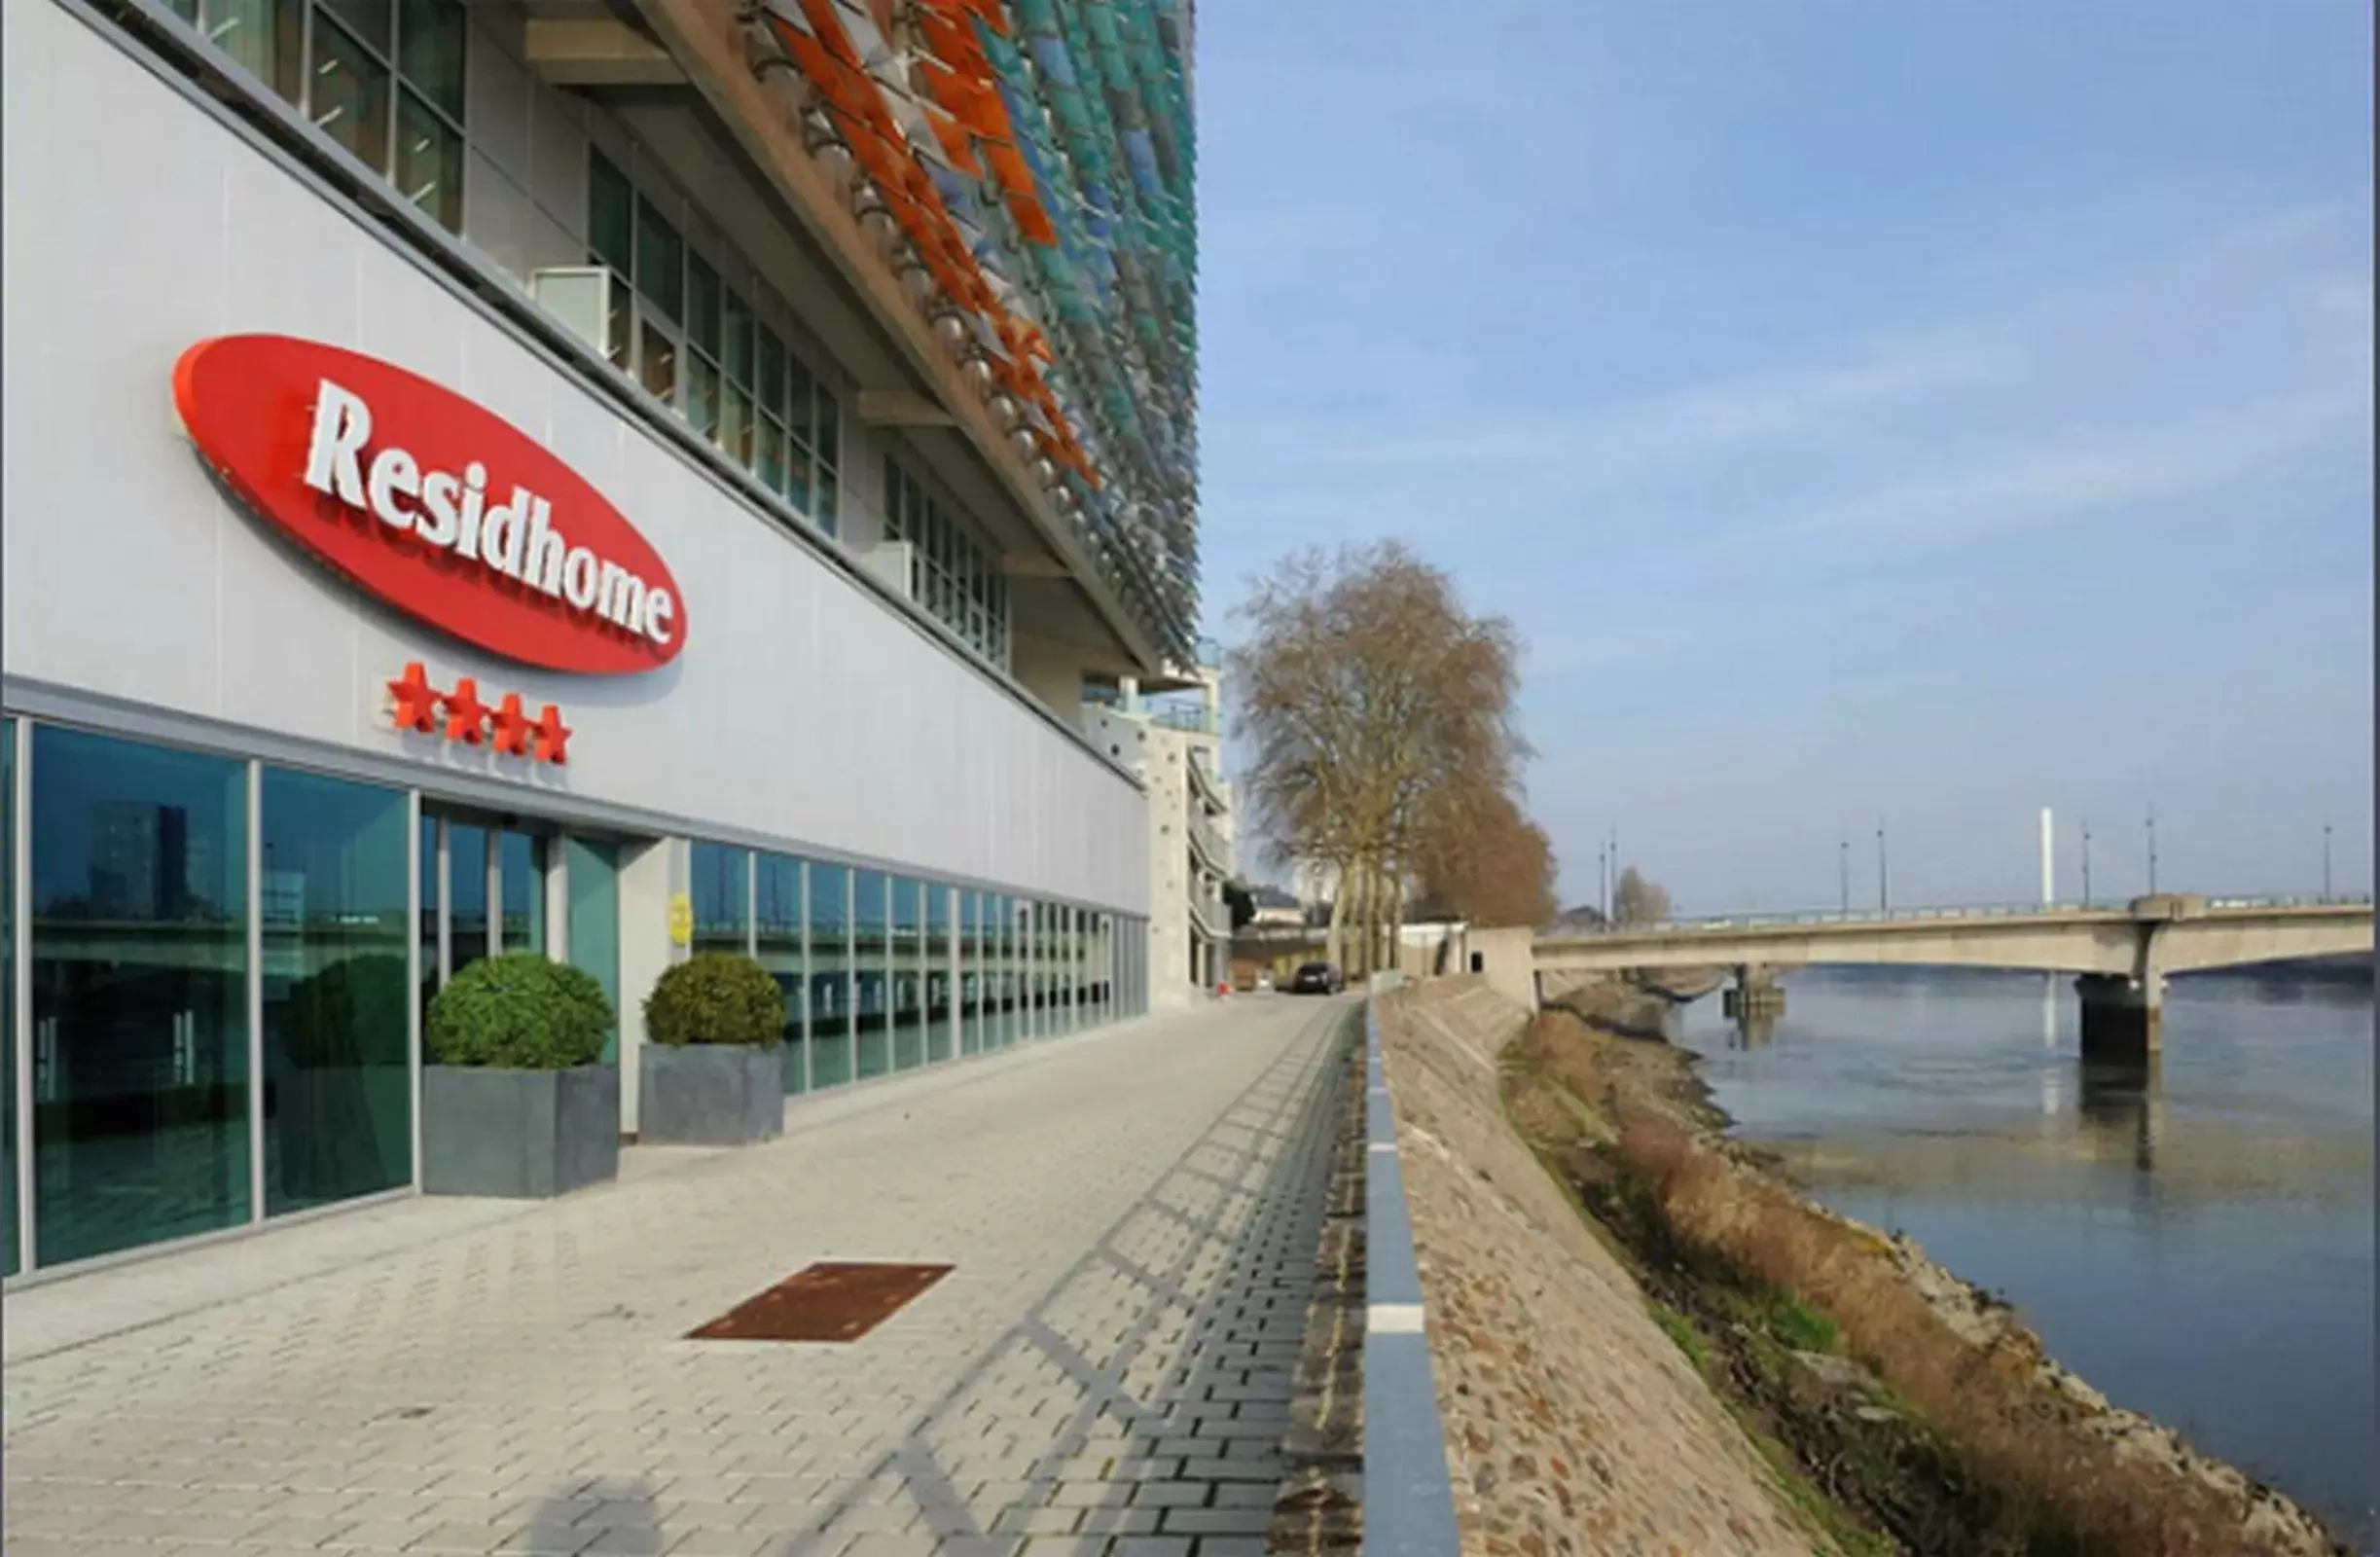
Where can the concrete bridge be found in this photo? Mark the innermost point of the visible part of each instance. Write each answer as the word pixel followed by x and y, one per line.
pixel 2122 956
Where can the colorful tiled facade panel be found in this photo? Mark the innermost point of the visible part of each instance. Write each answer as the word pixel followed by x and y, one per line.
pixel 1029 167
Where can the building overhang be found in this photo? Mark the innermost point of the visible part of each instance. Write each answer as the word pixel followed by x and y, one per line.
pixel 709 41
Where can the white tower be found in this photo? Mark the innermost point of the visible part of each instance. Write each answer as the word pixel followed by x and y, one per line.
pixel 2049 877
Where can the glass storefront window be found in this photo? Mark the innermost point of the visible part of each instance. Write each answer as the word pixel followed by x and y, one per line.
pixel 908 971
pixel 338 1116
pixel 139 980
pixel 591 876
pixel 830 976
pixel 721 918
pixel 970 972
pixel 466 896
pixel 941 1020
pixel 8 993
pixel 777 923
pixel 871 968
pixel 521 865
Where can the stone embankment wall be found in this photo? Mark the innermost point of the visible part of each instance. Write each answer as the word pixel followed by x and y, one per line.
pixel 1573 1425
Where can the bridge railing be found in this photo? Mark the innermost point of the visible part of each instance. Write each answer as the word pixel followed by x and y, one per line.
pixel 1892 915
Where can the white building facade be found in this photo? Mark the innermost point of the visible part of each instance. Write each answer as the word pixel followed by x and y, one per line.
pixel 283 751
pixel 1175 748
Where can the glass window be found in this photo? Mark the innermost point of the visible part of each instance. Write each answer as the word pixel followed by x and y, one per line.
pixel 140 994
pixel 657 362
pixel 703 396
pixel 769 381
pixel 429 163
pixel 908 974
pixel 431 52
pixel 831 1038
pixel 592 874
pixel 369 19
pixel 941 1017
pixel 871 967
pixel 265 37
pixel 777 928
pixel 721 918
pixel 8 996
pixel 970 972
pixel 735 340
pixel 660 261
pixel 521 863
pixel 338 1091
pixel 429 953
pixel 349 96
pixel 703 306
pixel 466 896
pixel 611 215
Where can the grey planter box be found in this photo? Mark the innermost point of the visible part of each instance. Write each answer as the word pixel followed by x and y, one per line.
pixel 710 1094
pixel 519 1134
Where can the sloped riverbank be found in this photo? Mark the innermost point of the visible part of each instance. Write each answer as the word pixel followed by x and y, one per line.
pixel 1927 1414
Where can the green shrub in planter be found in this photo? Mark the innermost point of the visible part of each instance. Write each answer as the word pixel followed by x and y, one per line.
pixel 715 997
pixel 518 1012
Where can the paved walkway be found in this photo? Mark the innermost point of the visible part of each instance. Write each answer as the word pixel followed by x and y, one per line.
pixel 1133 1219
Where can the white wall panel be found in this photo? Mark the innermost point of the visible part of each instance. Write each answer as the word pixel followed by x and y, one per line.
pixel 802 708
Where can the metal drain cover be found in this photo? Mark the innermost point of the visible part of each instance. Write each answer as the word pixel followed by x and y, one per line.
pixel 824 1302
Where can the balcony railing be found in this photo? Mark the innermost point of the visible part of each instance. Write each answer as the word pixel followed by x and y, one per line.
pixel 1203 836
pixel 1190 716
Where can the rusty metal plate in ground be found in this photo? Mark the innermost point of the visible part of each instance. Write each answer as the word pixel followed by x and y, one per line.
pixel 824 1302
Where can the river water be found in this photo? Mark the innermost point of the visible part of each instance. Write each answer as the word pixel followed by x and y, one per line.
pixel 2192 1236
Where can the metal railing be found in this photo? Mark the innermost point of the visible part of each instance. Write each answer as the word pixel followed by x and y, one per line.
pixel 1192 717
pixel 1208 841
pixel 1897 915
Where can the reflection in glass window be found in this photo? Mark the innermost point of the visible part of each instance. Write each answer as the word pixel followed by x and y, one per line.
pixel 466 896
pixel 970 972
pixel 720 909
pixel 941 1018
pixel 139 982
pixel 872 971
pixel 777 928
pixel 338 1065
pixel 908 974
pixel 521 863
pixel 8 996
pixel 831 1037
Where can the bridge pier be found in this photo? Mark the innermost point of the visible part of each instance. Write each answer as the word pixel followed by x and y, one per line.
pixel 2122 1017
pixel 1756 993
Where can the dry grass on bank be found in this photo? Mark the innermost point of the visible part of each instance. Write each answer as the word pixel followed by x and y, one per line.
pixel 1972 1375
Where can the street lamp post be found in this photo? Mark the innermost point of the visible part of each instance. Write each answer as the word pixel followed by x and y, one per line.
pixel 1846 861
pixel 2152 851
pixel 1883 879
pixel 2086 861
pixel 2326 862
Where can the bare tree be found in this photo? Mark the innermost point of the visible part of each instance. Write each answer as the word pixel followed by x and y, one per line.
pixel 1381 715
pixel 1488 863
pixel 1639 901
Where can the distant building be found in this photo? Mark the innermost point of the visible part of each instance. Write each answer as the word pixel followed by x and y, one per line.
pixel 1176 745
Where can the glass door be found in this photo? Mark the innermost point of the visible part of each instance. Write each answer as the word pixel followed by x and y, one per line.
pixel 590 870
pixel 483 890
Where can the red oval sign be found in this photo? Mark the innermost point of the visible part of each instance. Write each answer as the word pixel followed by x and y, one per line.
pixel 439 507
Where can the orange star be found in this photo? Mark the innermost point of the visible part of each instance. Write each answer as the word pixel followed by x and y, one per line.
pixel 553 736
pixel 512 727
pixel 466 714
pixel 417 700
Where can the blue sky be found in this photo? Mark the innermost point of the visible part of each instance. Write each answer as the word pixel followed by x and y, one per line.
pixel 1934 411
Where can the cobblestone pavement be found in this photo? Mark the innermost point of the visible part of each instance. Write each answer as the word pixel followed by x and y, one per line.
pixel 1133 1219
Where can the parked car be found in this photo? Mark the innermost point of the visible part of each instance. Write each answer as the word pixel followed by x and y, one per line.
pixel 1318 978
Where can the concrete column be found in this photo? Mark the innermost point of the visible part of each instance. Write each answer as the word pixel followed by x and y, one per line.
pixel 2122 1017
pixel 649 876
pixel 1756 993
